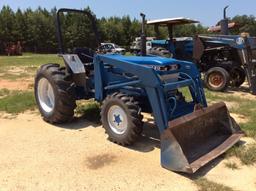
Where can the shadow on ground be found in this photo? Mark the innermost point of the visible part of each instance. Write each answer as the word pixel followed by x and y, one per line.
pixel 241 89
pixel 149 140
pixel 78 123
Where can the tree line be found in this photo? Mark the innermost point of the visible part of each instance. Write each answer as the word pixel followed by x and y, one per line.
pixel 36 31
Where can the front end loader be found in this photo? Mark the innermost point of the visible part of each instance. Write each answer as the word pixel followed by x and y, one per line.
pixel 191 133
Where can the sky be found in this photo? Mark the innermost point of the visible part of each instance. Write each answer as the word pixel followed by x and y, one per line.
pixel 208 12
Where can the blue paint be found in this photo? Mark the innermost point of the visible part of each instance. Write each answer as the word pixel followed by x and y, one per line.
pixel 117 119
pixel 134 76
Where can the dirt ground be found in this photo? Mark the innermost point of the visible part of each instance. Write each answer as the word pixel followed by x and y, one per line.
pixel 16 85
pixel 38 156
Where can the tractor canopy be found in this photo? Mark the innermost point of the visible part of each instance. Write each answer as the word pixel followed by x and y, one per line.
pixel 172 21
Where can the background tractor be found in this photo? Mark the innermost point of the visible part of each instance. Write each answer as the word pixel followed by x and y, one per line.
pixel 226 60
pixel 191 133
pixel 12 49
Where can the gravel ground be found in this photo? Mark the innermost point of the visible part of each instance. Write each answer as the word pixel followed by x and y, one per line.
pixel 36 156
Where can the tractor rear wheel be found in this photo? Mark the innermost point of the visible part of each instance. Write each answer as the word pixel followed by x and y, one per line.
pixel 216 79
pixel 121 118
pixel 54 95
pixel 237 76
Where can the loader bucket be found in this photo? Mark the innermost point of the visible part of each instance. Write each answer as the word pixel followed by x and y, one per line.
pixel 193 140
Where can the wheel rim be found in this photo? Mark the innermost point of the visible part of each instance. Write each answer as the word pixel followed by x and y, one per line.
pixel 117 119
pixel 45 95
pixel 216 79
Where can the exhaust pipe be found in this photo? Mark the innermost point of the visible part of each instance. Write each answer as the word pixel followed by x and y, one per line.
pixel 224 22
pixel 143 36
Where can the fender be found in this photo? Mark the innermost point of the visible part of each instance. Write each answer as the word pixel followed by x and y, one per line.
pixel 74 63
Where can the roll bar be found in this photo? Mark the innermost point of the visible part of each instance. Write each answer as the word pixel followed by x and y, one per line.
pixel 58 25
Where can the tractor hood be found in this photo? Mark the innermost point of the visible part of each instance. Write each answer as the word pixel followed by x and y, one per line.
pixel 147 60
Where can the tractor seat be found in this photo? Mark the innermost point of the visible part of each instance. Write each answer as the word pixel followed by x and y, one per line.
pixel 85 54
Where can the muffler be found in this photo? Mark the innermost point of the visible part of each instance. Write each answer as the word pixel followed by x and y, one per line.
pixel 191 141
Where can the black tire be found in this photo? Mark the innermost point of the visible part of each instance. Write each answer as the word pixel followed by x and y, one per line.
pixel 237 76
pixel 216 79
pixel 134 118
pixel 159 51
pixel 64 94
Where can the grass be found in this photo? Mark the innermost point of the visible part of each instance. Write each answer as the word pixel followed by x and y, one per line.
pixel 89 110
pixel 246 108
pixel 29 62
pixel 14 77
pixel 20 101
pixel 4 92
pixel 246 154
pixel 231 165
pixel 31 69
pixel 29 59
pixel 206 185
pixel 17 101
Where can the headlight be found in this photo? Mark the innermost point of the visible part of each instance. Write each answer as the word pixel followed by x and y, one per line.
pixel 166 68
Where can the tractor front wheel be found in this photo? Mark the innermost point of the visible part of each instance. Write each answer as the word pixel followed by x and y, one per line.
pixel 121 118
pixel 216 79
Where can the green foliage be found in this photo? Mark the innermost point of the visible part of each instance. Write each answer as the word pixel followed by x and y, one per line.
pixel 89 110
pixel 118 30
pixel 36 30
pixel 189 30
pixel 77 30
pixel 246 24
pixel 17 101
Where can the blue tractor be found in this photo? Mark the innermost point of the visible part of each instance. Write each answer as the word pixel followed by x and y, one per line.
pixel 225 60
pixel 178 47
pixel 191 133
